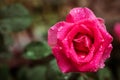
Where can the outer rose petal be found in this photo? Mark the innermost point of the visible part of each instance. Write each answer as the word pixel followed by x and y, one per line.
pixel 107 40
pixel 97 61
pixel 93 65
pixel 77 14
pixel 102 22
pixel 105 55
pixel 53 34
pixel 64 63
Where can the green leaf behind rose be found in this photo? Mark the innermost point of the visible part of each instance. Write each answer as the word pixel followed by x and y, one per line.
pixel 14 18
pixel 37 50
pixel 104 74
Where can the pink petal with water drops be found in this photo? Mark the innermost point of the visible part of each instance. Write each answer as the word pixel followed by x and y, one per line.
pixel 106 55
pixel 93 65
pixel 63 62
pixel 77 14
pixel 53 34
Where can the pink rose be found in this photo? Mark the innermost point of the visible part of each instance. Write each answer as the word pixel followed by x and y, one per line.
pixel 81 43
pixel 117 30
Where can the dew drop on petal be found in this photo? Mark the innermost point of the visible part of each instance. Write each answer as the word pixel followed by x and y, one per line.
pixel 75 11
pixel 82 56
pixel 65 39
pixel 102 40
pixel 52 28
pixel 108 56
pixel 60 48
pixel 60 28
pixel 72 47
pixel 102 65
pixel 101 47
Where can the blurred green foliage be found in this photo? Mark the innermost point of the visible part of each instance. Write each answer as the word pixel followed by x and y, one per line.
pixel 14 18
pixel 104 74
pixel 36 73
pixel 81 78
pixel 37 50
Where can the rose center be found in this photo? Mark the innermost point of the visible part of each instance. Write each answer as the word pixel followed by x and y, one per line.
pixel 82 43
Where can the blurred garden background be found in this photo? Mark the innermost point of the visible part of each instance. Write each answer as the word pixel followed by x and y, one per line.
pixel 24 52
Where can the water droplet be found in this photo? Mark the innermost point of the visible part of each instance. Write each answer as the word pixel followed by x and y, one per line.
pixel 82 56
pixel 60 48
pixel 60 28
pixel 78 10
pixel 101 47
pixel 102 65
pixel 75 11
pixel 102 40
pixel 72 47
pixel 108 56
pixel 58 37
pixel 52 28
pixel 65 39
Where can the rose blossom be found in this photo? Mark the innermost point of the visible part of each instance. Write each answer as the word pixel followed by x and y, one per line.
pixel 117 30
pixel 81 43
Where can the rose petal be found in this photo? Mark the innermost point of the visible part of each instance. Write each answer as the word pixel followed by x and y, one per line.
pixel 102 54
pixel 102 22
pixel 97 41
pixel 107 37
pixel 77 14
pixel 64 30
pixel 106 55
pixel 107 47
pixel 82 43
pixel 93 65
pixel 68 47
pixel 53 34
pixel 63 62
pixel 85 30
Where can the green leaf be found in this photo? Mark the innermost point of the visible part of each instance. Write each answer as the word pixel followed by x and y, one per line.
pixel 81 78
pixel 8 40
pixel 53 72
pixel 14 18
pixel 37 50
pixel 36 73
pixel 13 10
pixel 104 74
pixel 14 24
